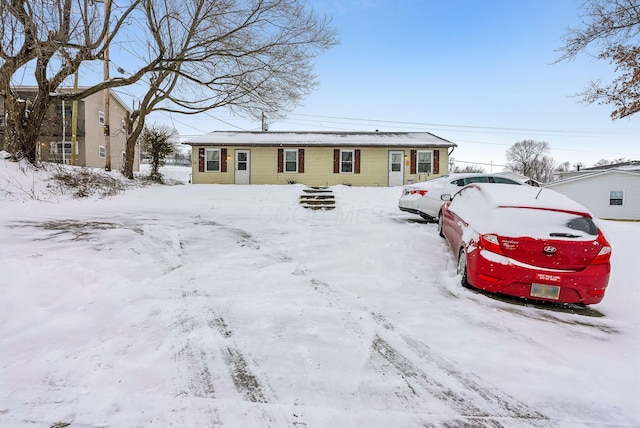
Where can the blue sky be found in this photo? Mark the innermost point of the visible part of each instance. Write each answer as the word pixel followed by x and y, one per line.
pixel 478 73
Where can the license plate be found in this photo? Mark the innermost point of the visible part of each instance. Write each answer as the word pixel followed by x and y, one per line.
pixel 545 291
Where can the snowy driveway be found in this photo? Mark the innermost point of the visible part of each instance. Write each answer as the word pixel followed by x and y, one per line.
pixel 232 306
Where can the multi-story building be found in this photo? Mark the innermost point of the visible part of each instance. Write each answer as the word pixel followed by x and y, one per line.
pixel 55 142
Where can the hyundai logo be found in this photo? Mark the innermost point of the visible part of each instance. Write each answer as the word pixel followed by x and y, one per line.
pixel 550 250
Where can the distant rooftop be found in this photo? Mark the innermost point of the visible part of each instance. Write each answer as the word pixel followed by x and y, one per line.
pixel 634 164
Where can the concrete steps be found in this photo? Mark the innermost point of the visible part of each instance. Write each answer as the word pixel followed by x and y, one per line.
pixel 318 198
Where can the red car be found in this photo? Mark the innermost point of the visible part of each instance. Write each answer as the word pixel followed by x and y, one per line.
pixel 525 241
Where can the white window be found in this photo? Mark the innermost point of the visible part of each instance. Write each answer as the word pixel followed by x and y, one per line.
pixel 212 160
pixel 101 117
pixel 101 152
pixel 124 125
pixel 346 161
pixel 291 161
pixel 58 147
pixel 425 165
pixel 616 197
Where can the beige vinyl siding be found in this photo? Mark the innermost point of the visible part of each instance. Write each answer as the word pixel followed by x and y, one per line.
pixel 94 137
pixel 318 167
pixel 264 165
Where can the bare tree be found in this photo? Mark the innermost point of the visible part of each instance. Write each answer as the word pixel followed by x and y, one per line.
pixel 467 168
pixel 564 167
pixel 253 56
pixel 530 159
pixel 50 39
pixel 604 162
pixel 612 28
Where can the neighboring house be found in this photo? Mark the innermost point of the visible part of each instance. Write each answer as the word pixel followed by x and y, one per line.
pixel 609 192
pixel 54 144
pixel 318 158
pixel 628 166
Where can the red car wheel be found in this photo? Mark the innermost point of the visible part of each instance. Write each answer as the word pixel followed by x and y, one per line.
pixel 462 267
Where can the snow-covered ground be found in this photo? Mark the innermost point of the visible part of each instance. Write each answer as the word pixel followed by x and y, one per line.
pixel 233 306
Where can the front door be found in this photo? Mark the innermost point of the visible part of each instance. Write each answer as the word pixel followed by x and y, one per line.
pixel 396 168
pixel 242 166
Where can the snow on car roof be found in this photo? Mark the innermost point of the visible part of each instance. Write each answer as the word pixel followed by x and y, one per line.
pixel 498 208
pixel 502 195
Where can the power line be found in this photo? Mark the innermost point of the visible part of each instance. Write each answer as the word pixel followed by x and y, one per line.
pixel 486 128
pixel 453 160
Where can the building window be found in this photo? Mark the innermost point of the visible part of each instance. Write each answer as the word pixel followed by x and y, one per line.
pixel 425 162
pixel 346 161
pixel 291 160
pixel 101 152
pixel 101 117
pixel 124 125
pixel 212 163
pixel 616 197
pixel 58 147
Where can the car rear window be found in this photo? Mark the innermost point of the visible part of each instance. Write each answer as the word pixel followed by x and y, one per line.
pixel 583 224
pixel 543 224
pixel 503 180
pixel 476 180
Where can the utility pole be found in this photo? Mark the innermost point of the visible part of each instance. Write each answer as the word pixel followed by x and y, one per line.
pixel 107 94
pixel 74 121
pixel 64 133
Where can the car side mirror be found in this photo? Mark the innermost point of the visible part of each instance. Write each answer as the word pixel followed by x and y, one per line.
pixel 445 197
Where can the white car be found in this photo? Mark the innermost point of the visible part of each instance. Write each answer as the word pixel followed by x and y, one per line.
pixel 424 198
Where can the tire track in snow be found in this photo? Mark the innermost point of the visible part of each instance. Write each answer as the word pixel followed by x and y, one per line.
pixel 506 406
pixel 244 380
pixel 423 373
pixel 195 374
pixel 200 380
pixel 593 328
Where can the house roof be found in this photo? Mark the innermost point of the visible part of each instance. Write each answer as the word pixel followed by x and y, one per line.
pixel 594 174
pixel 629 165
pixel 320 139
pixel 32 89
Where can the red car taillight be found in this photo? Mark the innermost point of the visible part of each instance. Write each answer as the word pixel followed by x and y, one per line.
pixel 605 252
pixel 491 243
pixel 420 192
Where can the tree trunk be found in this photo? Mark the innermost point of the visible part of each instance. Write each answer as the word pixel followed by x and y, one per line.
pixel 132 139
pixel 23 126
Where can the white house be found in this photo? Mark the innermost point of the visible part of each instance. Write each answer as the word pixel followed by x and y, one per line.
pixel 611 193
